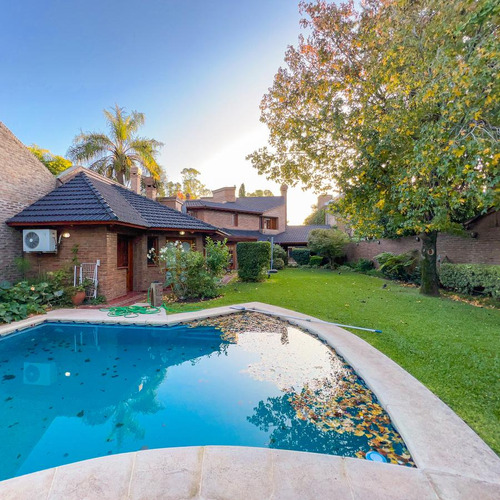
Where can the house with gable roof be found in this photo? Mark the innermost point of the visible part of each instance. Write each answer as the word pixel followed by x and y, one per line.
pixel 97 220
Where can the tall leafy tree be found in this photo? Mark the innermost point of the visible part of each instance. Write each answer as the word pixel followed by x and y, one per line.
pixel 191 185
pixel 112 155
pixel 396 103
pixel 318 216
pixel 260 192
pixel 55 163
pixel 242 191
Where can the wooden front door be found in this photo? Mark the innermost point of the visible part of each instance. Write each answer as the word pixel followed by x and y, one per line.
pixel 125 258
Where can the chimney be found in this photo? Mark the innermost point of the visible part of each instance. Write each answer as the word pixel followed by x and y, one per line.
pixel 135 179
pixel 171 202
pixel 324 199
pixel 284 190
pixel 150 185
pixel 224 195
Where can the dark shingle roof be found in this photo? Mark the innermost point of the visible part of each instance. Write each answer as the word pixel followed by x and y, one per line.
pixel 85 198
pixel 250 204
pixel 297 234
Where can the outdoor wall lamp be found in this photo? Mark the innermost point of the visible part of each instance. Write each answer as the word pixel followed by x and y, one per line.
pixel 182 233
pixel 63 235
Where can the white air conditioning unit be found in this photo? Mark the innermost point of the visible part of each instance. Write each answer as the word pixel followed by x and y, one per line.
pixel 39 240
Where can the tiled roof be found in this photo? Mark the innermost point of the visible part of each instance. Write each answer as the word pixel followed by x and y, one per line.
pixel 240 233
pixel 249 204
pixel 85 198
pixel 292 235
pixel 297 234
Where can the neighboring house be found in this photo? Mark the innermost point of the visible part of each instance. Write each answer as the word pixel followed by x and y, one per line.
pixel 97 219
pixel 24 180
pixel 246 219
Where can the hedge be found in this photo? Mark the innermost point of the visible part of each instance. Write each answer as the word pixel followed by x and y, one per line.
pixel 301 256
pixel 254 259
pixel 315 260
pixel 471 278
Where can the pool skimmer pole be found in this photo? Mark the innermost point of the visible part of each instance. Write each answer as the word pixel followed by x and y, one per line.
pixel 242 308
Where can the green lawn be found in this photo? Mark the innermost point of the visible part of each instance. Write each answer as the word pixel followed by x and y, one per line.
pixel 451 347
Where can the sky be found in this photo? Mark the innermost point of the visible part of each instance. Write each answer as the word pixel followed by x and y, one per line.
pixel 197 69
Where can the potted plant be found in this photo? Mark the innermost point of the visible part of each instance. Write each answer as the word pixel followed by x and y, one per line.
pixel 77 292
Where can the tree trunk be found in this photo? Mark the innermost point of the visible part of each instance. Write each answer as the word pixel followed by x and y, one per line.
pixel 119 177
pixel 428 264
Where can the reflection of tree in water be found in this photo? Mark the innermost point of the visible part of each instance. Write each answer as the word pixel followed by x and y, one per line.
pixel 124 413
pixel 289 432
pixel 350 424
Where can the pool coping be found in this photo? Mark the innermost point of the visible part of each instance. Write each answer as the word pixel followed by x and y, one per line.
pixel 451 458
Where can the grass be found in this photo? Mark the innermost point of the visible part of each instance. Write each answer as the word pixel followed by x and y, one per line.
pixel 451 347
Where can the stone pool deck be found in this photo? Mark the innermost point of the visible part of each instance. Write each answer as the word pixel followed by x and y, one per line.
pixel 452 461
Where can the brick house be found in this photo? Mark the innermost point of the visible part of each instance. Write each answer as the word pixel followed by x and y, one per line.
pixel 246 218
pixel 18 165
pixel 97 219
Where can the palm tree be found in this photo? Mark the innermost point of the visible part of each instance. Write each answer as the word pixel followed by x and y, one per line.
pixel 113 155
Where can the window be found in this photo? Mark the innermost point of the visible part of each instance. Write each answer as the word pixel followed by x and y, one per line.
pixel 153 248
pixel 269 223
pixel 235 220
pixel 187 245
pixel 122 251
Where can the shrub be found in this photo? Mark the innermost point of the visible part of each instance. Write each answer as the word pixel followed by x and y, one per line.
pixel 278 264
pixel 363 265
pixel 301 256
pixel 345 269
pixel 402 267
pixel 315 260
pixel 253 260
pixel 471 278
pixel 190 274
pixel 329 243
pixel 22 299
pixel 280 253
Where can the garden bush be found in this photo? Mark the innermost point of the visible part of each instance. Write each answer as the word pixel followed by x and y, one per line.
pixel 471 279
pixel 402 267
pixel 315 260
pixel 192 275
pixel 301 256
pixel 329 243
pixel 363 265
pixel 280 253
pixel 278 264
pixel 253 260
pixel 20 300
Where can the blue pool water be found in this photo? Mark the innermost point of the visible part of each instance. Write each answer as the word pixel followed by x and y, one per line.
pixel 72 391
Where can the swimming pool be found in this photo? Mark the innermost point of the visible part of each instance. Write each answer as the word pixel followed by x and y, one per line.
pixel 73 391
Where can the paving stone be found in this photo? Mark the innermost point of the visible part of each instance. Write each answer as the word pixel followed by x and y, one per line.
pixel 169 473
pixel 231 473
pixel 29 487
pixel 378 481
pixel 451 487
pixel 308 476
pixel 102 478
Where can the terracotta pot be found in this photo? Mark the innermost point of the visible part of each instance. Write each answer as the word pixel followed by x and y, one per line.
pixel 78 298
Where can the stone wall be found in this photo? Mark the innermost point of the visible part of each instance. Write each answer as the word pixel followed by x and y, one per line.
pixel 483 248
pixel 24 180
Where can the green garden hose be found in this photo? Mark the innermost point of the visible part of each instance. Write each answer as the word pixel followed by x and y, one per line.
pixel 130 311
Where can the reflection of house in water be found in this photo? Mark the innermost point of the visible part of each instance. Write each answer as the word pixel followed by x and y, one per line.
pixel 97 373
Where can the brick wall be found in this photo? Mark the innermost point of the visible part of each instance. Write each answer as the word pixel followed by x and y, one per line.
pixel 484 249
pixel 24 180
